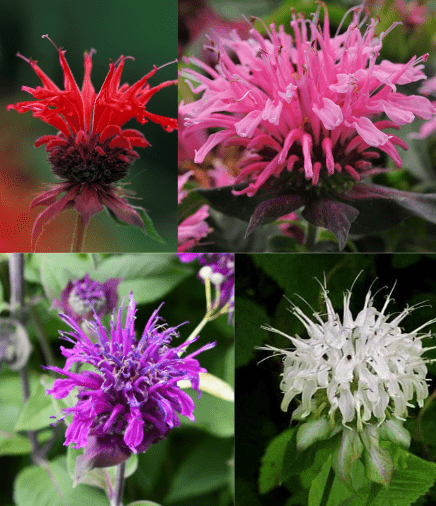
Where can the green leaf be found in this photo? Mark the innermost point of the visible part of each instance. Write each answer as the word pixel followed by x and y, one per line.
pixel 393 430
pixel 13 444
pixel 56 271
pixel 348 451
pixel 212 414
pixel 412 478
pixel 133 266
pixel 203 470
pixel 318 484
pixel 36 411
pixel 271 469
pixel 250 317
pixel 149 229
pixel 51 486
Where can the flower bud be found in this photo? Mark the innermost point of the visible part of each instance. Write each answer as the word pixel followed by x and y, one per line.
pixel 310 432
pixel 15 346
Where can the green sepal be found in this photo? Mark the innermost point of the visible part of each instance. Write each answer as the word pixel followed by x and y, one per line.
pixel 393 430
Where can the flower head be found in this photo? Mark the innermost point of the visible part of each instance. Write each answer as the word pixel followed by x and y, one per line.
pixel 131 398
pixel 219 269
pixel 358 371
pixel 305 109
pixel 91 152
pixel 82 297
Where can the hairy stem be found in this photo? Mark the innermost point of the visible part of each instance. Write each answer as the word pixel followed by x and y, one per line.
pixel 117 496
pixel 79 235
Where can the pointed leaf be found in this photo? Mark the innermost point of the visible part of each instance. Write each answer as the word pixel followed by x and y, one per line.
pixel 332 215
pixel 148 225
pixel 271 209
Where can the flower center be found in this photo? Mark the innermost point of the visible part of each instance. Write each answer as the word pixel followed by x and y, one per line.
pixel 91 161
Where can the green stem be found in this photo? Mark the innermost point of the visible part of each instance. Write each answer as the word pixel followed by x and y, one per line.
pixel 327 488
pixel 42 338
pixel 117 496
pixel 79 234
pixel 311 234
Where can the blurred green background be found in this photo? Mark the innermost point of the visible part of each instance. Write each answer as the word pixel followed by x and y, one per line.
pixel 145 30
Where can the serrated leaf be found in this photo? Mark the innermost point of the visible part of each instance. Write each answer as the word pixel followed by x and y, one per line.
pixel 36 411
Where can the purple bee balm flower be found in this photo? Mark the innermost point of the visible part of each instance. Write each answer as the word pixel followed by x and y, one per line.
pixel 305 110
pixel 82 297
pixel 219 268
pixel 131 399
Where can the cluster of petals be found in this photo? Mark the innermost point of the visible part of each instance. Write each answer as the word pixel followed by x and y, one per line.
pixel 89 136
pixel 305 103
pixel 193 228
pixel 367 368
pixel 82 297
pixel 219 269
pixel 130 399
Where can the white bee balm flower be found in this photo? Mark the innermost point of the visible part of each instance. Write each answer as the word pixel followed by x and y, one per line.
pixel 358 371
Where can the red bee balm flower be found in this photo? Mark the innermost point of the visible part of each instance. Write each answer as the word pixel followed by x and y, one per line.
pixel 91 152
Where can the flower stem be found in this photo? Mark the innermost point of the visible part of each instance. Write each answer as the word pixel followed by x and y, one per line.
pixel 79 234
pixel 16 281
pixel 312 232
pixel 328 488
pixel 117 496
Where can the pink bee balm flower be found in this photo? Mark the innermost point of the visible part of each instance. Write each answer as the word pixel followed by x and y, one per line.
pixel 193 228
pixel 305 108
pixel 90 153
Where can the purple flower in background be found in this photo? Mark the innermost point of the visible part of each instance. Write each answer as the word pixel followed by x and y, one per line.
pixel 80 298
pixel 131 399
pixel 219 268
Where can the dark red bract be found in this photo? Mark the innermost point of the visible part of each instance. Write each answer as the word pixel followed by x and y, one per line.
pixel 91 152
